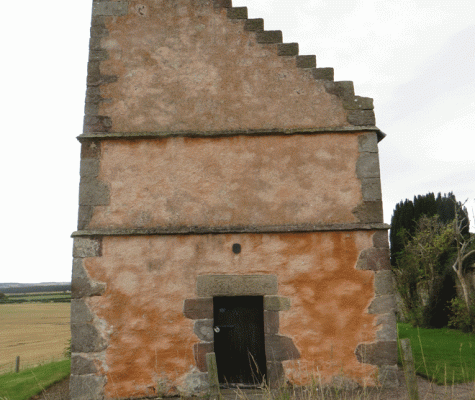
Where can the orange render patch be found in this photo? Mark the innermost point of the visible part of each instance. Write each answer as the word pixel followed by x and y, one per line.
pixel 148 278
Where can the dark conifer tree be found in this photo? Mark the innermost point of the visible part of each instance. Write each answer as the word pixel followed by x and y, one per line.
pixel 407 213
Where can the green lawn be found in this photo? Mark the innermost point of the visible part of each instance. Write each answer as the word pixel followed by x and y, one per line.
pixel 31 381
pixel 444 356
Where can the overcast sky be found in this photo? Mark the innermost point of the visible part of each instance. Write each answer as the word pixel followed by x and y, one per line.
pixel 415 58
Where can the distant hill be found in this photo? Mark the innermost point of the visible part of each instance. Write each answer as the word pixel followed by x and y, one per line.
pixel 11 287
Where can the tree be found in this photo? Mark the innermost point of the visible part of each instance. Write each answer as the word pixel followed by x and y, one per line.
pixel 431 249
pixel 408 212
pixel 464 245
pixel 419 270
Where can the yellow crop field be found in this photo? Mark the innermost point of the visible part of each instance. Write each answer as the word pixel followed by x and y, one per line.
pixel 36 332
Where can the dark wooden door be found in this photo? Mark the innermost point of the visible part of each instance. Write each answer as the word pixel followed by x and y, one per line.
pixel 239 340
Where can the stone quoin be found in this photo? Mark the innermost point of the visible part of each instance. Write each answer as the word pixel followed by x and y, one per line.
pixel 229 199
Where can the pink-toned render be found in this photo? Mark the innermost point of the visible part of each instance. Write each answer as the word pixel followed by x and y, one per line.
pixel 204 132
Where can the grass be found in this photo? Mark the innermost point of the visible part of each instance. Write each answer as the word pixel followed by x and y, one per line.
pixel 443 356
pixel 29 382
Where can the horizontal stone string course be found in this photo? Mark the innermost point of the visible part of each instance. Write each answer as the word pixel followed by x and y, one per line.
pixel 204 230
pixel 239 132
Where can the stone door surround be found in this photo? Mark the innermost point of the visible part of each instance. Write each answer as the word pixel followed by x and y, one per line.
pixel 278 348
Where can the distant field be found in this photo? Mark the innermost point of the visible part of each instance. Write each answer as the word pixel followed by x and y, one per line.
pixel 42 297
pixel 36 332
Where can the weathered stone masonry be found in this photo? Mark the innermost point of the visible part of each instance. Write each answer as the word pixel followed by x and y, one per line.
pixel 203 131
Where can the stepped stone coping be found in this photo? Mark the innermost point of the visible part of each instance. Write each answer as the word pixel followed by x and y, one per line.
pixel 360 107
pixel 254 25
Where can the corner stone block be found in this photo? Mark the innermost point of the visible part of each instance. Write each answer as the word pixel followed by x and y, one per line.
pixel 81 365
pixel 84 216
pixel 368 142
pixel 87 247
pixel 98 29
pixel 98 55
pixel 203 328
pixel 371 189
pixel 81 284
pixel 360 103
pixel 236 285
pixel 382 305
pixel 374 259
pixel 93 95
pixel 276 303
pixel 90 149
pixel 86 387
pixel 95 43
pixel 365 103
pixel 361 118
pixel 369 211
pixel 93 192
pixel 388 329
pixel 90 167
pixel 343 89
pixel 96 123
pixel 378 353
pixel 93 70
pixel 199 351
pixel 280 348
pixel 80 313
pixel 201 308
pixel 85 338
pixel 91 108
pixel 110 8
pixel 380 239
pixel 367 165
pixel 383 283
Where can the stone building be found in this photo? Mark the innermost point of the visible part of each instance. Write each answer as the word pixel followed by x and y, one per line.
pixel 230 201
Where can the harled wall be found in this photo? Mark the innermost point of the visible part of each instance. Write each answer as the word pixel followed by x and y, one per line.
pixel 144 337
pixel 203 130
